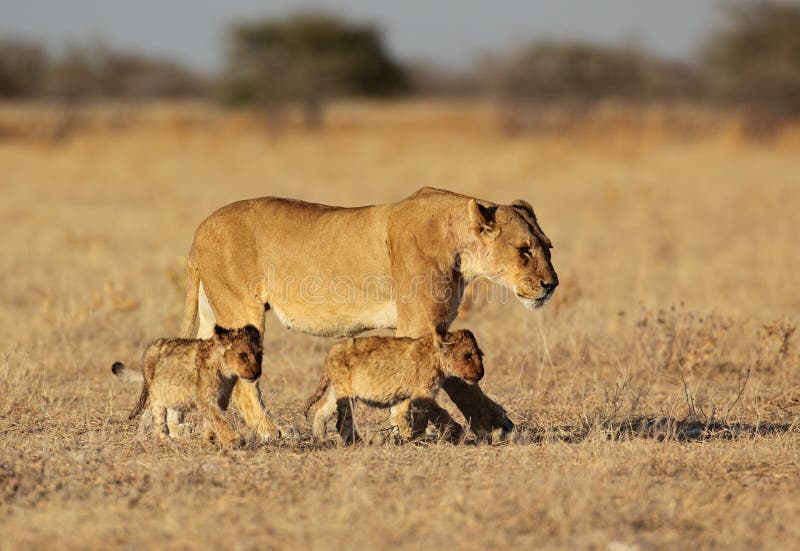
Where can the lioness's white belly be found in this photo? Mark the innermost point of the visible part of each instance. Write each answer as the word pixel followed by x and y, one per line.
pixel 340 321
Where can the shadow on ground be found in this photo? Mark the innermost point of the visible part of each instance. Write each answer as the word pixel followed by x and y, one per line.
pixel 650 428
pixel 658 428
pixel 645 428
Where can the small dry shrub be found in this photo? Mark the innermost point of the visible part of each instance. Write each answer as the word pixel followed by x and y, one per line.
pixel 676 340
pixel 772 349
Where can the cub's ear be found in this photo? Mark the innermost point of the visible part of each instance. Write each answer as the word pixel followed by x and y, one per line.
pixel 253 335
pixel 221 331
pixel 480 218
pixel 251 331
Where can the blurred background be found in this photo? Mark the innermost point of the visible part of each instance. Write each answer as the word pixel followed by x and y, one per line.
pixel 526 56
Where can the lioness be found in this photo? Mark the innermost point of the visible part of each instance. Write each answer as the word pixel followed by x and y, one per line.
pixel 394 372
pixel 339 271
pixel 179 374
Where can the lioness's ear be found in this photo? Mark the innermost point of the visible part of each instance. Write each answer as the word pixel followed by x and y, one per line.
pixel 479 218
pixel 524 205
pixel 527 212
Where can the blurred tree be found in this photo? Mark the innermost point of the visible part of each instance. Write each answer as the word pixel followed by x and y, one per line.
pixel 755 58
pixel 429 80
pixel 23 65
pixel 94 70
pixel 582 72
pixel 308 58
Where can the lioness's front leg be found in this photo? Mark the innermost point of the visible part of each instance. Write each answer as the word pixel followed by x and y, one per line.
pixel 487 419
pixel 425 410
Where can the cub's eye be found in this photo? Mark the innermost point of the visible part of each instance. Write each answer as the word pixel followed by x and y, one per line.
pixel 525 251
pixel 243 356
pixel 468 356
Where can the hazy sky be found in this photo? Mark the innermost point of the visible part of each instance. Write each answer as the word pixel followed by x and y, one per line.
pixel 450 33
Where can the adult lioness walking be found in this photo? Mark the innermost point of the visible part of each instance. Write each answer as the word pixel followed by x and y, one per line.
pixel 336 271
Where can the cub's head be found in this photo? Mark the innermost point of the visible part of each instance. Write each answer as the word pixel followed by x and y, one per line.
pixel 461 356
pixel 242 351
pixel 512 250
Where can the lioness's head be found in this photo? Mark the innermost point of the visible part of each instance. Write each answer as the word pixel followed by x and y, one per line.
pixel 511 249
pixel 461 356
pixel 242 351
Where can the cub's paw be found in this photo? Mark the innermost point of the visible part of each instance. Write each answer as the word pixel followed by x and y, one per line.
pixel 288 432
pixel 181 430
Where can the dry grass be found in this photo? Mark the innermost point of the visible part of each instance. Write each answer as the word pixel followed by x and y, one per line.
pixel 656 397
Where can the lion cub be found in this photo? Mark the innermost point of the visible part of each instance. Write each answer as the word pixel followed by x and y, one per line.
pixel 400 373
pixel 179 374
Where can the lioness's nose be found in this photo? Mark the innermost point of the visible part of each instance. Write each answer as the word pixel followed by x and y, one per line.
pixel 549 285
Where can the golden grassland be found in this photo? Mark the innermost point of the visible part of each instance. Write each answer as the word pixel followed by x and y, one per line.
pixel 656 397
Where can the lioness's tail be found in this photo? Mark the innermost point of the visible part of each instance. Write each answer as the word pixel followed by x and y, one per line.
pixel 130 376
pixel 324 382
pixel 192 292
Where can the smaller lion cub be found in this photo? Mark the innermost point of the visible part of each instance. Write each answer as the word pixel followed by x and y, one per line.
pixel 180 374
pixel 396 372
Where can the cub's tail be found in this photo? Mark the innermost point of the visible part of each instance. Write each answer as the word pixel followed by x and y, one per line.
pixel 324 382
pixel 125 374
pixel 130 376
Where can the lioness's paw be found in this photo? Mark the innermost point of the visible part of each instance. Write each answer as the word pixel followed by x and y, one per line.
pixel 502 435
pixel 280 433
pixel 494 426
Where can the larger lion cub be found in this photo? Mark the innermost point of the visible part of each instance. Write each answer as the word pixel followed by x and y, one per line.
pixel 400 373
pixel 180 374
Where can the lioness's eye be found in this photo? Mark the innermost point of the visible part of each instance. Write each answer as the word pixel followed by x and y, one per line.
pixel 525 251
pixel 243 356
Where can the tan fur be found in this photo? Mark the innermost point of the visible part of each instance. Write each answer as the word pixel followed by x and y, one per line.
pixel 180 374
pixel 257 254
pixel 394 372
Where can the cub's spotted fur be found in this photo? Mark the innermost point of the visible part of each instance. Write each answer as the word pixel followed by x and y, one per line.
pixel 179 374
pixel 402 373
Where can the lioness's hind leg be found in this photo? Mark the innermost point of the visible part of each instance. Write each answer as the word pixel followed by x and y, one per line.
pixel 325 409
pixel 233 307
